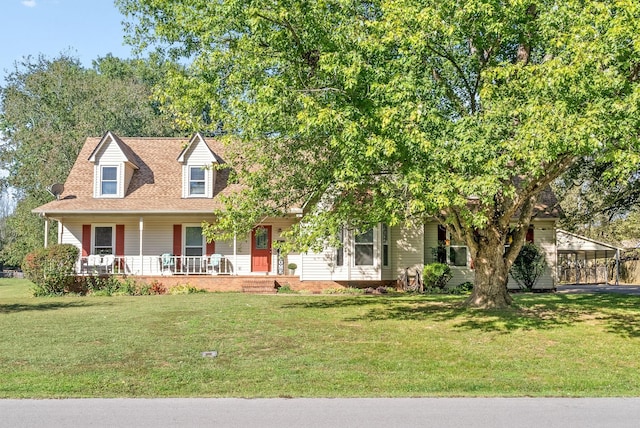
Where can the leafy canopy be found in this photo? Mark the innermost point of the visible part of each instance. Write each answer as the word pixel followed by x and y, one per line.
pixel 404 108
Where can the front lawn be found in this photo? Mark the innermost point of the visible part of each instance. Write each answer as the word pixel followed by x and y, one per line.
pixel 316 346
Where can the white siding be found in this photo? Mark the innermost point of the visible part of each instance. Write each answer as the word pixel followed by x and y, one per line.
pixel 111 155
pixel 198 155
pixel 322 265
pixel 407 248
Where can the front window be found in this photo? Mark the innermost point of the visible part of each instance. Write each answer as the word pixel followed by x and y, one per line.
pixel 109 181
pixel 364 249
pixel 194 241
pixel 196 180
pixel 103 240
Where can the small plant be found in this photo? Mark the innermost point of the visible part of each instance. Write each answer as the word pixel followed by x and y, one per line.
pixel 436 275
pixel 184 289
pixel 156 287
pixel 528 266
pixel 286 289
pixel 292 268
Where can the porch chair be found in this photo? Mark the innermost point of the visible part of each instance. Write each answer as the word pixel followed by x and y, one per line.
pixel 214 263
pixel 167 263
pixel 93 262
pixel 107 263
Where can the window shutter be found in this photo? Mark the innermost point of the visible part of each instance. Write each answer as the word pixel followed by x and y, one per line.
pixel 211 247
pixel 177 239
pixel 119 240
pixel 86 240
pixel 529 237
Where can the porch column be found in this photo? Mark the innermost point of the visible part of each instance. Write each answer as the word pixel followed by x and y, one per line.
pixel 46 232
pixel 235 253
pixel 141 228
pixel 60 231
pixel 617 266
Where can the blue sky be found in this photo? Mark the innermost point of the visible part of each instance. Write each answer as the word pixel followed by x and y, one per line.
pixel 86 29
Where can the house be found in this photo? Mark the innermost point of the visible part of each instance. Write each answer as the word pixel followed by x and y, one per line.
pixel 135 206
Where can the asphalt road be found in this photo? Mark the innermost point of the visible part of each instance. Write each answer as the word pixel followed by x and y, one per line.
pixel 621 289
pixel 312 413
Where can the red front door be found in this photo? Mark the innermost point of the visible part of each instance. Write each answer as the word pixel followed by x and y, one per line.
pixel 261 249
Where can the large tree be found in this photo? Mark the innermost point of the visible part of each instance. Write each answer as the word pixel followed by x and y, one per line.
pixel 403 110
pixel 48 107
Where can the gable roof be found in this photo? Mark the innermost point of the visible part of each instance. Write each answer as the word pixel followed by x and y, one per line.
pixel 111 137
pixel 155 187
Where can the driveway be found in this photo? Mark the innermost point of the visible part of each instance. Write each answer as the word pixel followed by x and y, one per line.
pixel 633 290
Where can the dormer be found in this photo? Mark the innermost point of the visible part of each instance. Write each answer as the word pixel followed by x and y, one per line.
pixel 198 174
pixel 113 167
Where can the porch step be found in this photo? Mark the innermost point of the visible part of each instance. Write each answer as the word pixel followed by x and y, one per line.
pixel 259 286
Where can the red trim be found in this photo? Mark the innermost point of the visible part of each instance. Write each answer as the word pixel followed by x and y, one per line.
pixel 177 239
pixel 120 244
pixel 211 247
pixel 119 240
pixel 86 240
pixel 529 237
pixel 177 243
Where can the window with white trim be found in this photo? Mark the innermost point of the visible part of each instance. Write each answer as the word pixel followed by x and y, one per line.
pixel 363 248
pixel 103 240
pixel 197 181
pixel 108 180
pixel 194 243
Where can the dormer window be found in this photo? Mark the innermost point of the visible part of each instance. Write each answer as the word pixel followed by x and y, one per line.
pixel 196 181
pixel 109 181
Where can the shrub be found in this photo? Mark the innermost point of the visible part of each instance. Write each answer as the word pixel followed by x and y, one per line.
pixel 528 266
pixel 156 287
pixel 286 289
pixel 51 269
pixel 436 275
pixel 185 289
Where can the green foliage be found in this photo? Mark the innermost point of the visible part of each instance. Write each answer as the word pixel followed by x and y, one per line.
pixel 343 290
pixel 528 267
pixel 48 107
pixel 185 289
pixel 292 266
pixel 51 269
pixel 436 275
pixel 286 289
pixel 403 110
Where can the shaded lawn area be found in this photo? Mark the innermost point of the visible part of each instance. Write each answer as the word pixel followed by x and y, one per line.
pixel 316 346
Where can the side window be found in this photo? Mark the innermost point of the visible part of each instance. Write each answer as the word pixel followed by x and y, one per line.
pixel 364 249
pixel 340 249
pixel 103 240
pixel 109 180
pixel 196 181
pixel 385 245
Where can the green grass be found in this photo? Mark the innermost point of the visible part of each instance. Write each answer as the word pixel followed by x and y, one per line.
pixel 316 346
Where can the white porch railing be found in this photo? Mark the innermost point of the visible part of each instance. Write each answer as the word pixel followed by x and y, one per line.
pixel 165 264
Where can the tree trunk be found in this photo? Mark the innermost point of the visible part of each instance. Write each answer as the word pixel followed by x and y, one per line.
pixel 492 274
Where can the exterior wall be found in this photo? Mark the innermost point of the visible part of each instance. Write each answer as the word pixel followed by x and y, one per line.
pixel 407 249
pixel 157 239
pixel 322 265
